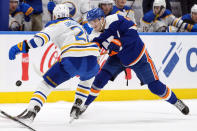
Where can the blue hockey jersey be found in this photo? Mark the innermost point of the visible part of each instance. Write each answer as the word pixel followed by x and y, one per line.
pixel 125 30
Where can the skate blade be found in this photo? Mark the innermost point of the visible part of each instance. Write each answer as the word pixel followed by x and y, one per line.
pixel 71 120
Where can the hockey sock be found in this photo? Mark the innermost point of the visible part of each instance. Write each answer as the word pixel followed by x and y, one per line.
pixel 40 95
pixel 100 81
pixel 83 90
pixel 162 91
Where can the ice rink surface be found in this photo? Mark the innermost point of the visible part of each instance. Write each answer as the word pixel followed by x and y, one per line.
pixel 107 116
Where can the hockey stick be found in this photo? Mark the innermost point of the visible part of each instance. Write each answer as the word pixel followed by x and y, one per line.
pixel 16 120
pixel 157 16
pixel 130 7
pixel 51 12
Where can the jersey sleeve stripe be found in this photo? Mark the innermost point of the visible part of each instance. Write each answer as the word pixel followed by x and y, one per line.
pixel 77 44
pixel 29 11
pixel 44 36
pixel 33 44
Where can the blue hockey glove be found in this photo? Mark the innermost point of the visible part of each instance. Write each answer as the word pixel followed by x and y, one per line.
pixel 194 28
pixel 87 28
pixel 21 47
pixel 114 47
pixel 51 6
pixel 26 9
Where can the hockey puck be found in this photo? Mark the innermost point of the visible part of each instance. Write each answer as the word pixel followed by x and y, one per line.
pixel 18 83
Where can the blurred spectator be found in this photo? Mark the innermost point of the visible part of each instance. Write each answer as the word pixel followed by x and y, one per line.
pixel 121 8
pixel 190 18
pixel 147 5
pixel 36 18
pixel 19 13
pixel 106 6
pixel 186 5
pixel 159 18
pixel 78 10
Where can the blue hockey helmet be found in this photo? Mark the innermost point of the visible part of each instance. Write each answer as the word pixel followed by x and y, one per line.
pixel 95 13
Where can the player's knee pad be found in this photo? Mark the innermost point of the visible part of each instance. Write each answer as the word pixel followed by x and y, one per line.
pixel 157 87
pixel 101 79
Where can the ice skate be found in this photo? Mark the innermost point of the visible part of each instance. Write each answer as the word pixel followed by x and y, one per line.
pixel 182 107
pixel 28 115
pixel 83 109
pixel 75 111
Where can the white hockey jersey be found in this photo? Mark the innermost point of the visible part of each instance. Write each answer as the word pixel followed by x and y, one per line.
pixel 152 23
pixel 78 8
pixel 68 36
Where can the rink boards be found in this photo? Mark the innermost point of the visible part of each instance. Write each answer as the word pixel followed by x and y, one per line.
pixel 174 55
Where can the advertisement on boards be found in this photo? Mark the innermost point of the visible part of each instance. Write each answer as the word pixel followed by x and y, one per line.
pixel 175 57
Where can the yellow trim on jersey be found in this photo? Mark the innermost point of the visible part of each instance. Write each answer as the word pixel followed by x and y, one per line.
pixel 77 50
pixel 29 11
pixel 166 16
pixel 175 22
pixel 129 11
pixel 51 81
pixel 20 46
pixel 145 22
pixel 189 27
pixel 44 36
pixel 66 46
pixel 82 91
pixel 105 95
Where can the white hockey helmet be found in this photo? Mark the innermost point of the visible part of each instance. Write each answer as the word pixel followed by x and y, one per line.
pixel 194 8
pixel 159 3
pixel 106 2
pixel 14 0
pixel 60 11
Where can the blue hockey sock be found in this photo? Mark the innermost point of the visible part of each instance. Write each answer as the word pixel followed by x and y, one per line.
pixel 162 91
pixel 100 81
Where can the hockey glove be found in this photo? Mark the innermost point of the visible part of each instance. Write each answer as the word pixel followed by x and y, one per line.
pixel 51 6
pixel 21 47
pixel 87 28
pixel 26 9
pixel 114 47
pixel 194 28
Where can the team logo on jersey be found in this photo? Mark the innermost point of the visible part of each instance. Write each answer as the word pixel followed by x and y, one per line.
pixel 72 8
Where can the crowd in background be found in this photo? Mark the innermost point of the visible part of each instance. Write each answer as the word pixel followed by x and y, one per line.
pixel 27 15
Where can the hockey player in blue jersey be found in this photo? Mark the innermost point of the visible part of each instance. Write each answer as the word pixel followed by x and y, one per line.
pixel 126 50
pixel 78 57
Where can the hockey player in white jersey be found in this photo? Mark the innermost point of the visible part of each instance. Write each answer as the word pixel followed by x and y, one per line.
pixel 78 57
pixel 78 10
pixel 159 18
pixel 190 18
pixel 121 8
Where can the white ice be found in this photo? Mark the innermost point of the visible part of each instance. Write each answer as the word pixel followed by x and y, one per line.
pixel 107 116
